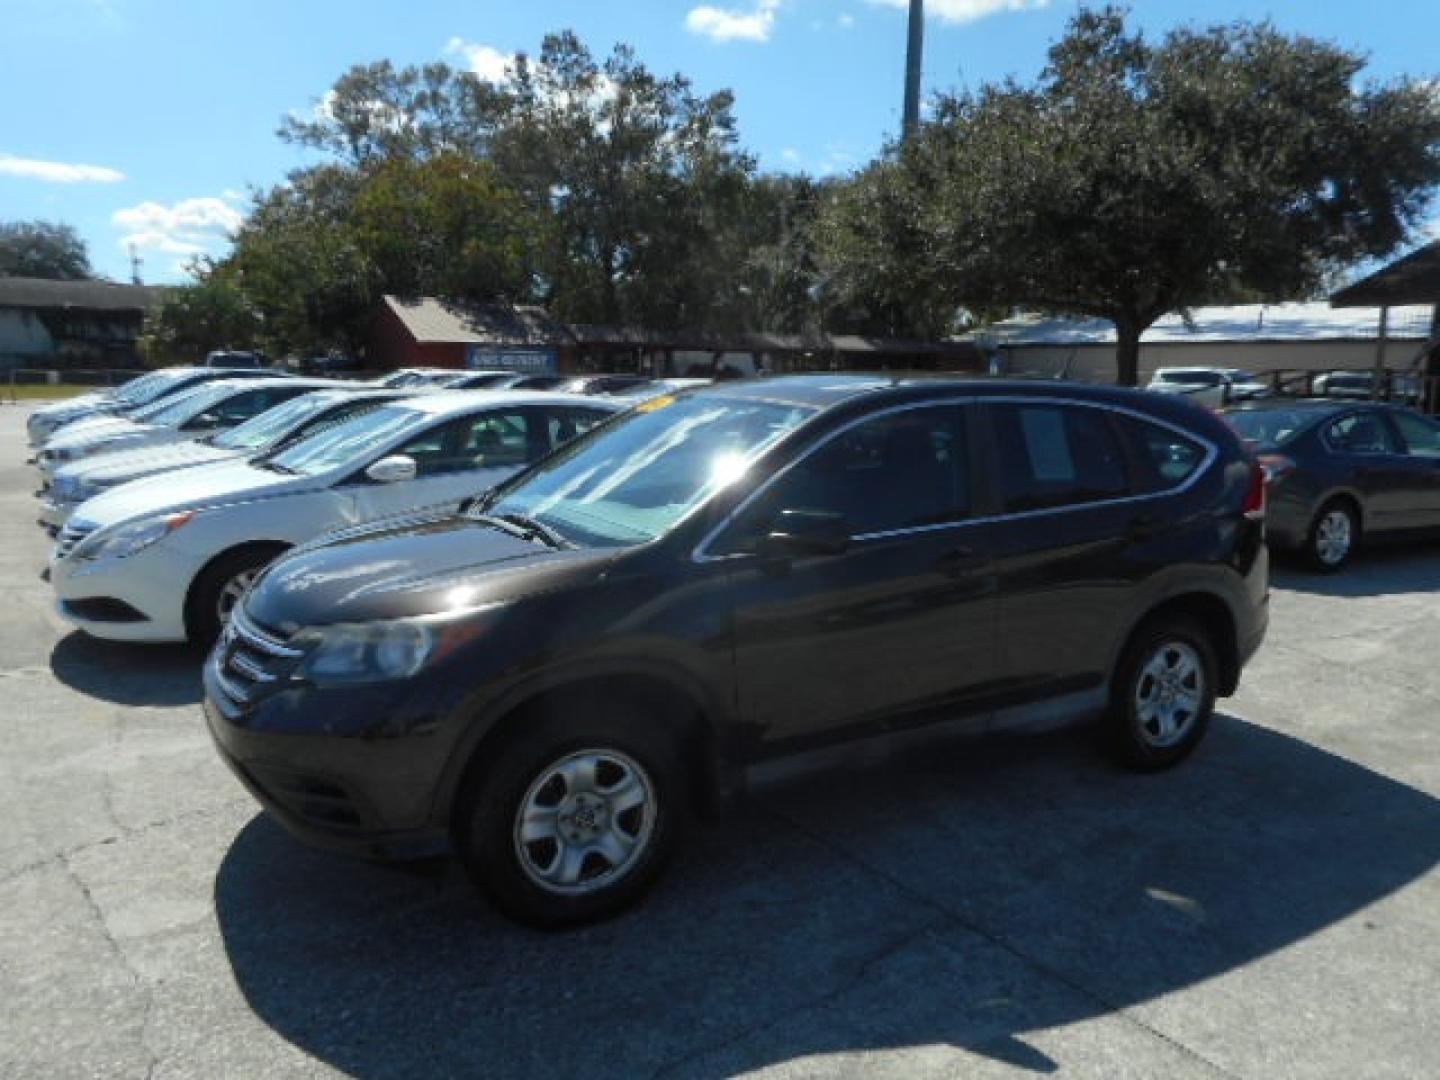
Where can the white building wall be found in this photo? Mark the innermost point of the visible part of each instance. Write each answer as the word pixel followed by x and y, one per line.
pixel 1096 363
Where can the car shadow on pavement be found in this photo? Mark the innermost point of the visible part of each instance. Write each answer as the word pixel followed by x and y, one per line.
pixel 1376 571
pixel 157 675
pixel 966 897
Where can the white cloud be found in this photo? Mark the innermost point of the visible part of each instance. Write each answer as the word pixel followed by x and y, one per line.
pixel 963 11
pixel 729 24
pixel 58 172
pixel 486 61
pixel 790 156
pixel 846 20
pixel 187 227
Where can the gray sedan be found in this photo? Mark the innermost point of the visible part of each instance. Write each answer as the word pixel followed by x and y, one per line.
pixel 1338 471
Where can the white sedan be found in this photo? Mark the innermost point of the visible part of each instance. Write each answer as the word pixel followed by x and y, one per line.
pixel 226 404
pixel 165 558
pixel 296 419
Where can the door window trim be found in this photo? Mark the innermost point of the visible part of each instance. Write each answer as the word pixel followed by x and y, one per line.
pixel 701 552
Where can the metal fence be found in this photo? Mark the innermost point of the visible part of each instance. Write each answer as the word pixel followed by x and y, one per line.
pixel 25 384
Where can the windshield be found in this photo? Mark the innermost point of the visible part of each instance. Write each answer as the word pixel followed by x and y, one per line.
pixel 343 443
pixel 1191 378
pixel 273 424
pixel 188 406
pixel 635 478
pixel 140 390
pixel 1270 429
pixel 147 413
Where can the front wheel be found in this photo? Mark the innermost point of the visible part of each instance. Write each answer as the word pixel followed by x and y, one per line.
pixel 1164 694
pixel 221 586
pixel 575 818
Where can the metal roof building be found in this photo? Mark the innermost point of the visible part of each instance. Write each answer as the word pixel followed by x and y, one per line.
pixel 1301 336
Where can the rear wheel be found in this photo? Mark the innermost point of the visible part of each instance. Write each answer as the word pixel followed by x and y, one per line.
pixel 221 586
pixel 576 817
pixel 1333 536
pixel 1164 694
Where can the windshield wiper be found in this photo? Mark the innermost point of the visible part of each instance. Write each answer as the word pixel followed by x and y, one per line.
pixel 527 528
pixel 262 461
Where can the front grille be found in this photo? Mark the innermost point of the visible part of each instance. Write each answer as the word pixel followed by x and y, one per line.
pixel 71 535
pixel 251 659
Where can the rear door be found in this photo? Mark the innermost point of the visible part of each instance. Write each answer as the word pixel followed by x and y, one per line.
pixel 1062 494
pixel 1421 438
pixel 1394 485
pixel 899 628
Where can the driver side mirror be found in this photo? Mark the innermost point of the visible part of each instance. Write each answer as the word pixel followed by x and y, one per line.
pixel 807 532
pixel 392 469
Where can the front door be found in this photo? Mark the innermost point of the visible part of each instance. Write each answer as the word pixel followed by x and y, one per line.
pixel 463 457
pixel 898 628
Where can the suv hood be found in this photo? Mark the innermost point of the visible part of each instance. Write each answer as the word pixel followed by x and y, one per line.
pixel 416 567
pixel 219 484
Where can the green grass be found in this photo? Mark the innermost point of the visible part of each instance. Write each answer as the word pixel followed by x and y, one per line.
pixel 39 392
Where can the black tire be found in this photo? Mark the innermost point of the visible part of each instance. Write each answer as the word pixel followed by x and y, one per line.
pixel 203 621
pixel 487 819
pixel 1323 556
pixel 1135 734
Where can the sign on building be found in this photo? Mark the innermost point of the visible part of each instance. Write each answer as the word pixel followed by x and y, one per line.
pixel 533 360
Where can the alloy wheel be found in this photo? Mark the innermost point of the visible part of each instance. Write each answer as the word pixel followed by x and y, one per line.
pixel 1169 693
pixel 1334 534
pixel 585 822
pixel 233 592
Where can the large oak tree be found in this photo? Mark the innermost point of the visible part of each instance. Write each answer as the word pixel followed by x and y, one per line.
pixel 1136 178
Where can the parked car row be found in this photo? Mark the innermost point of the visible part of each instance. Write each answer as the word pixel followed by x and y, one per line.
pixel 540 629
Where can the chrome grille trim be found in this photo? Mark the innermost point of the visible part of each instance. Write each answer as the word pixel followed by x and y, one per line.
pixel 247 633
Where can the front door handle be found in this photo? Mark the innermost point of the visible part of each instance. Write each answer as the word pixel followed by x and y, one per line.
pixel 1144 527
pixel 958 561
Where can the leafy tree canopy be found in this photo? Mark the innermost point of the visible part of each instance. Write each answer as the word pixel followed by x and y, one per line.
pixel 1136 178
pixel 42 249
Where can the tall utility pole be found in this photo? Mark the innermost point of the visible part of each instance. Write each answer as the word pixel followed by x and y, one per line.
pixel 914 55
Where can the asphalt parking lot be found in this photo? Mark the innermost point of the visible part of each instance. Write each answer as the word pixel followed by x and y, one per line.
pixel 1271 909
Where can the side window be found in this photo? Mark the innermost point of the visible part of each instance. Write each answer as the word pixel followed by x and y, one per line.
pixel 1361 433
pixel 242 407
pixel 1056 455
pixel 1165 458
pixel 1421 435
pixel 562 425
pixel 900 471
pixel 476 442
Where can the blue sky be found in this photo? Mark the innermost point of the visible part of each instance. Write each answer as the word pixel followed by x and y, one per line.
pixel 146 121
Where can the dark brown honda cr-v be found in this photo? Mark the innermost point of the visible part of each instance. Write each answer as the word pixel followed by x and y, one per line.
pixel 550 680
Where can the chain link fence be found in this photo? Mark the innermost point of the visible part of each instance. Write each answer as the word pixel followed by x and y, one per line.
pixel 18 385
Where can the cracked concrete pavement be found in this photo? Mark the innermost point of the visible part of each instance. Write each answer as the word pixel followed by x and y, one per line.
pixel 989 909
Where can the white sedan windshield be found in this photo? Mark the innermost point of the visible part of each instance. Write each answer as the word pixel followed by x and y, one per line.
pixel 346 442
pixel 260 431
pixel 639 475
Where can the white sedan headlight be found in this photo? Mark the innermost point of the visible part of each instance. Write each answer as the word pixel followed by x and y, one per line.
pixel 122 541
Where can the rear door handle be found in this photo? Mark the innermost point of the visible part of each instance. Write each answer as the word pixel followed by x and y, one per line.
pixel 958 561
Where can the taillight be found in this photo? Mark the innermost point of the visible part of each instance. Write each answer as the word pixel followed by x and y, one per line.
pixel 1276 466
pixel 1255 497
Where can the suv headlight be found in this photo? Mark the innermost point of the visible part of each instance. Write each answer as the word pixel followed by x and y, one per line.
pixel 346 654
pixel 123 541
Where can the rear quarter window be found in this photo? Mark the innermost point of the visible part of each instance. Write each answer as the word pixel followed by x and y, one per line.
pixel 1164 457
